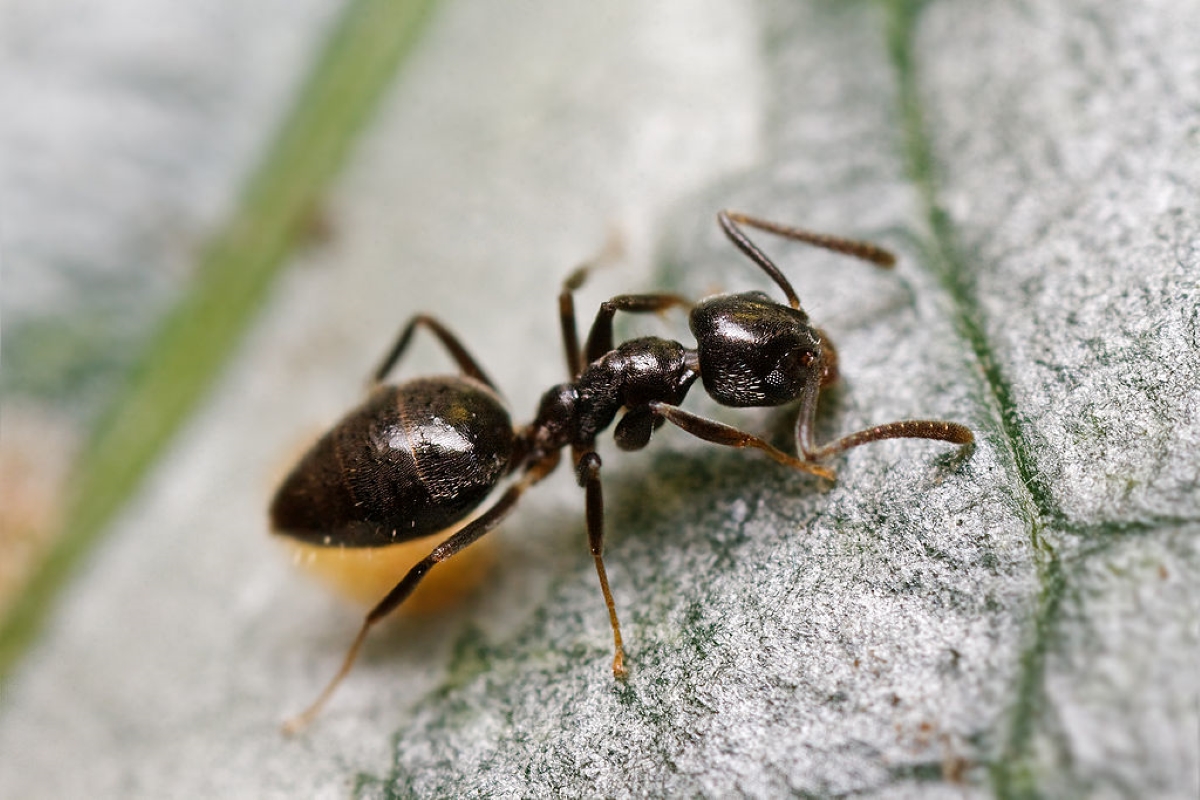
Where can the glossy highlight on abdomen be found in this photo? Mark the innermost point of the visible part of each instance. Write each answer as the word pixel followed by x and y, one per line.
pixel 409 462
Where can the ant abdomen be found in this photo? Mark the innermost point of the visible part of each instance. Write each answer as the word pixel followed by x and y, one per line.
pixel 409 462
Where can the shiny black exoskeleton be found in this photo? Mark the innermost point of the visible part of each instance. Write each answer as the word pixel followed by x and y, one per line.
pixel 419 457
pixel 410 462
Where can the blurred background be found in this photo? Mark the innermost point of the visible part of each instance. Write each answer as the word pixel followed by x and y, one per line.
pixel 132 127
pixel 215 216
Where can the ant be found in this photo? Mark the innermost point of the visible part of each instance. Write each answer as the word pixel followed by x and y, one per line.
pixel 418 457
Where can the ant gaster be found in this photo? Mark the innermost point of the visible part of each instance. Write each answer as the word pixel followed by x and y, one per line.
pixel 418 457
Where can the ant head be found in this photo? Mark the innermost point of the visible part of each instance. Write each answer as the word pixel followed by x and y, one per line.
pixel 754 351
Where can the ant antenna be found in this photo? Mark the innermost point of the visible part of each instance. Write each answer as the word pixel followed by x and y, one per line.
pixel 851 247
pixel 743 243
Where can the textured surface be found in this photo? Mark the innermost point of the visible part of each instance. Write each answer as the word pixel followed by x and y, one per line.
pixel 1023 622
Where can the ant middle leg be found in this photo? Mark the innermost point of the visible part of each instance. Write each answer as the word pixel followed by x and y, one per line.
pixel 719 433
pixel 588 474
pixel 566 319
pixel 600 337
pixel 448 340
pixel 612 250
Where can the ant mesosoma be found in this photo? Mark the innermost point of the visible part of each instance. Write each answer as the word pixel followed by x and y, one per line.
pixel 418 457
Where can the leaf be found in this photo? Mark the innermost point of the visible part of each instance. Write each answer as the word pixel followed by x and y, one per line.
pixel 277 205
pixel 1018 622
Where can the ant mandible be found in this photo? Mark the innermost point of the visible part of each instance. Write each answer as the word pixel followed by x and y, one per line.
pixel 418 457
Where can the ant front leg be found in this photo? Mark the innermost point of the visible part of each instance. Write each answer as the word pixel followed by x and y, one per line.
pixel 936 430
pixel 456 349
pixel 588 474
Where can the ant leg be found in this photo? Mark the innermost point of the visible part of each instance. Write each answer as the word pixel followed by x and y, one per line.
pixel 613 248
pixel 907 429
pixel 600 337
pixel 729 220
pixel 467 535
pixel 588 474
pixel 566 319
pixel 937 430
pixel 459 353
pixel 722 434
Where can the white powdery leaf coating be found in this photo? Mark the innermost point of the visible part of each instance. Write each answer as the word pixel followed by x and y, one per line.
pixel 1069 162
pixel 1122 676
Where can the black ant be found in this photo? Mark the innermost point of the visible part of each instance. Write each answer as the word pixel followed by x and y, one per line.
pixel 418 457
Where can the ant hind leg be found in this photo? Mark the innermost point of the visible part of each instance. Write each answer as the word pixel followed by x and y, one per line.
pixel 465 536
pixel 456 349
